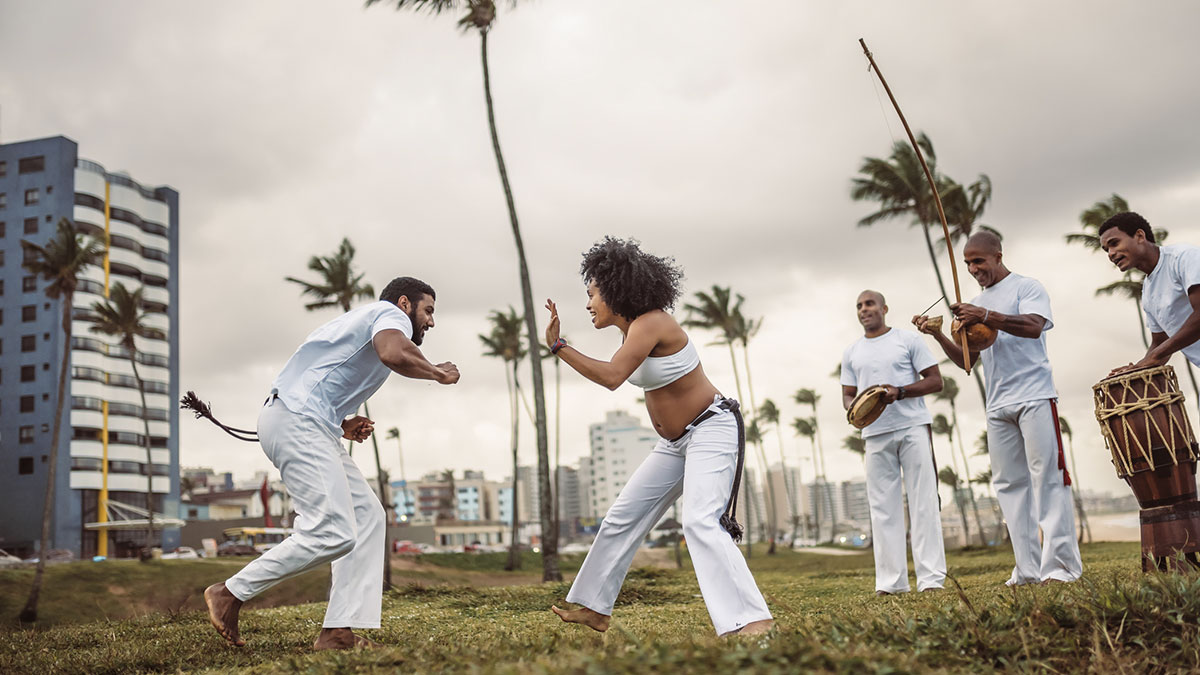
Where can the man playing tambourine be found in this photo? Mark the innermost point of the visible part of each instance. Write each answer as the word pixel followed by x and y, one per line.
pixel 901 368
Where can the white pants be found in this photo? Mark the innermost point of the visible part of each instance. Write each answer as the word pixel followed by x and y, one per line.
pixel 1029 473
pixel 889 455
pixel 338 519
pixel 700 466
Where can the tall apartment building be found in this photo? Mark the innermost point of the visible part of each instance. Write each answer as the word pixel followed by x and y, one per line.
pixel 619 445
pixel 41 182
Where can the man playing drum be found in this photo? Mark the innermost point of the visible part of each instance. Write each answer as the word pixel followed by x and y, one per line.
pixel 1024 440
pixel 1170 291
pixel 898 442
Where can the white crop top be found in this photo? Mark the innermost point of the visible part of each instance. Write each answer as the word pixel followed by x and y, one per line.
pixel 657 372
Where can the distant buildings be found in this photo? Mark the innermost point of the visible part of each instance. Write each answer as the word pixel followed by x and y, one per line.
pixel 101 454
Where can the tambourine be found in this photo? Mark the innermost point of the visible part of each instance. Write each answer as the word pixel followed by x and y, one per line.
pixel 867 406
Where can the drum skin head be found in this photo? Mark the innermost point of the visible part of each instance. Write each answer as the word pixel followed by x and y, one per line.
pixel 867 406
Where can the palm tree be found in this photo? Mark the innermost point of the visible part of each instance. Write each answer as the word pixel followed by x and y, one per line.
pixel 769 415
pixel 943 427
pixel 949 478
pixel 121 316
pixel 339 285
pixel 504 343
pixel 59 262
pixel 855 443
pixel 981 444
pixel 964 206
pixel 481 14
pixel 949 394
pixel 1084 526
pixel 804 426
pixel 754 436
pixel 810 397
pixel 394 432
pixel 898 185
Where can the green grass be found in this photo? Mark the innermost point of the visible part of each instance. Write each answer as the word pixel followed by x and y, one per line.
pixel 495 562
pixel 1115 619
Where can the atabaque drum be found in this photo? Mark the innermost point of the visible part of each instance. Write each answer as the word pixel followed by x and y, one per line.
pixel 1153 447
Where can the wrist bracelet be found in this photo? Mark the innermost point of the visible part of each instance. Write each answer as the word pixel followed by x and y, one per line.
pixel 986 314
pixel 558 344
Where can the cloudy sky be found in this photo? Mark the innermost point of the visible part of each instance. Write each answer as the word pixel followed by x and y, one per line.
pixel 724 134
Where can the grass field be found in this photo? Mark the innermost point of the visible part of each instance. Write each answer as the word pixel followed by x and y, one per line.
pixel 1114 620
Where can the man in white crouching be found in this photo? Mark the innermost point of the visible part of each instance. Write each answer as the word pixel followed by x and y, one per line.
pixel 339 519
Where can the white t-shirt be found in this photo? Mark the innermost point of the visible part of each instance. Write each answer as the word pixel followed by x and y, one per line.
pixel 337 369
pixel 897 358
pixel 1016 369
pixel 1165 292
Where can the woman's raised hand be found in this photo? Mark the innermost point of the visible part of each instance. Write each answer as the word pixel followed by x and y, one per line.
pixel 552 327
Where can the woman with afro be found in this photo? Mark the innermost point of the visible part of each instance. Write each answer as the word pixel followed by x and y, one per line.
pixel 698 456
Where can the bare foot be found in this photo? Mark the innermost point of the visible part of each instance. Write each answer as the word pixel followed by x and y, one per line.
pixel 592 619
pixel 755 627
pixel 343 638
pixel 223 609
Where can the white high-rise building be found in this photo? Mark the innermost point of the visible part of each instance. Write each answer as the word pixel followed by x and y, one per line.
pixel 619 445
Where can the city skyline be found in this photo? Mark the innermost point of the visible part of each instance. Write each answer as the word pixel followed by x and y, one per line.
pixel 727 141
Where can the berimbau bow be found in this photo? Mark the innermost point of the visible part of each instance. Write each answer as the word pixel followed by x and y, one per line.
pixel 936 198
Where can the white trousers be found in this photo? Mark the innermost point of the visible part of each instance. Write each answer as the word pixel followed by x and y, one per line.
pixel 338 519
pixel 1029 472
pixel 890 456
pixel 700 465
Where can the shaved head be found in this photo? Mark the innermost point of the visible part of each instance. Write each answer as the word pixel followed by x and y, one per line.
pixel 984 241
pixel 878 296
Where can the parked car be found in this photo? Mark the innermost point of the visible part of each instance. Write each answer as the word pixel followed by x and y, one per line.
pixel 236 548
pixel 406 547
pixel 182 553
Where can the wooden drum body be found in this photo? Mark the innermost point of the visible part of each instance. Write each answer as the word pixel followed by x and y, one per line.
pixel 1153 447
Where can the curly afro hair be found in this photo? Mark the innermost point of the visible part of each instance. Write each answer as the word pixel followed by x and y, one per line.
pixel 631 281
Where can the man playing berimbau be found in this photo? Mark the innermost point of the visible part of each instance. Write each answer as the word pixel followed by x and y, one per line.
pixel 898 447
pixel 1029 469
pixel 1170 291
pixel 339 519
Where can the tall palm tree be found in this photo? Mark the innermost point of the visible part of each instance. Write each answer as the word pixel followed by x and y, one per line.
pixel 1076 491
pixel 855 443
pixel 898 185
pixel 394 432
pixel 721 311
pixel 480 16
pixel 964 206
pixel 949 477
pixel 504 343
pixel 754 436
pixel 943 427
pixel 949 394
pixel 769 415
pixel 121 316
pixel 810 398
pixel 59 262
pixel 804 426
pixel 339 285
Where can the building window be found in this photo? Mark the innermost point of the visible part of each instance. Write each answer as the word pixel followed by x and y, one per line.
pixel 31 226
pixel 25 434
pixel 32 197
pixel 29 313
pixel 1 265
pixel 24 465
pixel 28 343
pixel 2 228
pixel 3 200
pixel 3 169
pixel 31 164
pixel 28 373
pixel 27 404
pixel 29 284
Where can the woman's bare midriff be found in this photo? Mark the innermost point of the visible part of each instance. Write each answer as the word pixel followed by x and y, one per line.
pixel 674 406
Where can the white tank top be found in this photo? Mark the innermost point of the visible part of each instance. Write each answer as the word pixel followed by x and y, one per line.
pixel 657 372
